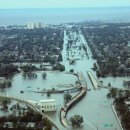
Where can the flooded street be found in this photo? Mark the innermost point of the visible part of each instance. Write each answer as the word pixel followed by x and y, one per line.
pixel 94 107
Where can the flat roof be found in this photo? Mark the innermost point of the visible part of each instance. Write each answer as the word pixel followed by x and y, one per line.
pixel 127 102
pixel 48 100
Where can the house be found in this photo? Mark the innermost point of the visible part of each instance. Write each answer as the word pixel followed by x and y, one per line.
pixel 8 125
pixel 30 125
pixel 2 79
pixel 127 103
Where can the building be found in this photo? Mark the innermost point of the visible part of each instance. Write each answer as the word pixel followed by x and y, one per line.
pixel 8 125
pixel 127 103
pixel 2 79
pixel 38 25
pixel 47 105
pixel 30 25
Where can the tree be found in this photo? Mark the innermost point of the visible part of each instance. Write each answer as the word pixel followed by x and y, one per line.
pixel 5 103
pixel 60 58
pixel 2 85
pixel 47 124
pixel 71 70
pixel 94 67
pixel 48 94
pixel 76 120
pixel 108 95
pixel 44 75
pixel 113 92
pixel 67 97
pixel 109 84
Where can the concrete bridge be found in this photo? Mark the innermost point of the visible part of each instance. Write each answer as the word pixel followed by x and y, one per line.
pixel 73 101
pixel 34 106
pixel 93 80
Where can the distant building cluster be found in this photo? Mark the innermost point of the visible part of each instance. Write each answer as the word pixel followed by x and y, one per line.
pixel 32 25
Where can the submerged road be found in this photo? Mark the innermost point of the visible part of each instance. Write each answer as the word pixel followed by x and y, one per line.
pixel 95 107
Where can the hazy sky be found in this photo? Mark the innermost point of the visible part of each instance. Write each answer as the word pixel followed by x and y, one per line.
pixel 61 3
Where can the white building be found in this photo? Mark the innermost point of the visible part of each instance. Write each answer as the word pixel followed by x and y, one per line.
pixel 38 25
pixel 30 25
pixel 47 105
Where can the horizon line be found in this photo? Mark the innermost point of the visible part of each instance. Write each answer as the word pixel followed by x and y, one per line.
pixel 67 7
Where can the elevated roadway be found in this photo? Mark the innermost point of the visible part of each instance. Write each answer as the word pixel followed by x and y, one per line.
pixel 34 106
pixel 73 101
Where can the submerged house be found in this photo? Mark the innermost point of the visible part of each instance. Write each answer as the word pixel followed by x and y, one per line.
pixel 126 83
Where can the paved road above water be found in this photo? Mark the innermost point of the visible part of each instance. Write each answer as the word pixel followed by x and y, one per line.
pixel 95 107
pixel 75 99
pixel 33 106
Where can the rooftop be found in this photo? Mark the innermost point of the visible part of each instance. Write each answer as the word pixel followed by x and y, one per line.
pixel 48 100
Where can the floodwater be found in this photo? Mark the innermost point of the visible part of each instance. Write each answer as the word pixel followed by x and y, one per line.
pixel 57 80
pixel 94 107
pixel 115 82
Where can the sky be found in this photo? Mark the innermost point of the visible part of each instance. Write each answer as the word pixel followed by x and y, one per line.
pixel 62 3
